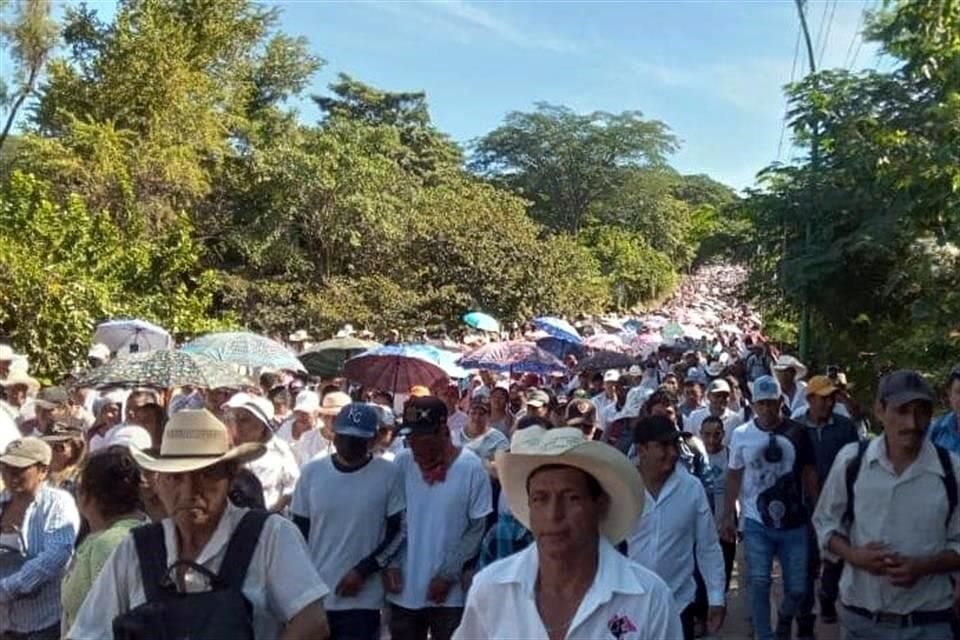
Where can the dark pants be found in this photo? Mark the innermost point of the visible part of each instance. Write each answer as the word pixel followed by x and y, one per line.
pixel 414 624
pixel 687 620
pixel 354 624
pixel 829 573
pixel 50 633
pixel 729 556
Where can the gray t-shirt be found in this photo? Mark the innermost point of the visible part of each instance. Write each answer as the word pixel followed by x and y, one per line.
pixel 487 444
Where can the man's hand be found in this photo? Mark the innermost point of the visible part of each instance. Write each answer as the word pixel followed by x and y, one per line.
pixel 392 580
pixel 729 530
pixel 903 571
pixel 871 558
pixel 715 617
pixel 466 579
pixel 438 590
pixel 350 584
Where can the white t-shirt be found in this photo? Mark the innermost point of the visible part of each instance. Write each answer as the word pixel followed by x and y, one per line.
pixel 8 430
pixel 746 452
pixel 280 580
pixel 487 445
pixel 457 422
pixel 348 514
pixel 437 517
pixel 277 471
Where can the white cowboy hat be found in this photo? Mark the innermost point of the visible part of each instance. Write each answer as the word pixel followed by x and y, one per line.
pixel 789 362
pixel 194 440
pixel 535 447
pixel 333 402
pixel 20 377
pixel 299 336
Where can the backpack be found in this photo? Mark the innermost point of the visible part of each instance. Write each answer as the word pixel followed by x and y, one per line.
pixel 222 612
pixel 949 480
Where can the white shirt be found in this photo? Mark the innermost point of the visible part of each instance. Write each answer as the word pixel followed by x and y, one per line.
pixel 280 581
pixel 277 471
pixel 457 422
pixel 746 452
pixel 674 526
pixel 502 602
pixel 437 517
pixel 731 420
pixel 799 400
pixel 606 409
pixel 8 430
pixel 348 513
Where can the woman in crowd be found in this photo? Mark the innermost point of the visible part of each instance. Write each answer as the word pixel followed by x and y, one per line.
pixel 500 418
pixel 108 495
pixel 68 447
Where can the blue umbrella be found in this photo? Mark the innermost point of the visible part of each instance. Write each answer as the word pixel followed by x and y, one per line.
pixel 515 356
pixel 395 367
pixel 443 358
pixel 245 349
pixel 560 329
pixel 481 321
pixel 560 348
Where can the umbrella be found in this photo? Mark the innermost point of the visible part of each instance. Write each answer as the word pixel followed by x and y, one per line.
pixel 446 359
pixel 514 356
pixel 163 370
pixel 560 348
pixel 604 360
pixel 245 349
pixel 606 342
pixel 557 328
pixel 326 358
pixel 394 367
pixel 132 336
pixel 481 321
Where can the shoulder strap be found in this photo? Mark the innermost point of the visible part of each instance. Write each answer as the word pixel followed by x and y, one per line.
pixel 852 471
pixel 949 480
pixel 152 554
pixel 236 561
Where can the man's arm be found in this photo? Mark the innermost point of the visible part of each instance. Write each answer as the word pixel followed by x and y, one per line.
pixel 734 483
pixel 811 486
pixel 309 624
pixel 60 531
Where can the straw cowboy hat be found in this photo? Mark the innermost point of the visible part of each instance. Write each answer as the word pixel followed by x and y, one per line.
pixel 535 447
pixel 789 362
pixel 20 377
pixel 194 440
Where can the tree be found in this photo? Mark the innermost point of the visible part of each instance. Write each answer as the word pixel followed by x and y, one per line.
pixel 635 272
pixel 565 162
pixel 32 36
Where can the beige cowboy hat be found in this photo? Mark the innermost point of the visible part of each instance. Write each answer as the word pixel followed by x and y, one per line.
pixel 535 447
pixel 194 440
pixel 333 402
pixel 21 377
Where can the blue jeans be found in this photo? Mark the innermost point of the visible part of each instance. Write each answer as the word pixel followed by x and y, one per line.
pixel 354 624
pixel 760 544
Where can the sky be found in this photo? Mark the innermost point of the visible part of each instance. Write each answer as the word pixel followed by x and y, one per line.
pixel 712 70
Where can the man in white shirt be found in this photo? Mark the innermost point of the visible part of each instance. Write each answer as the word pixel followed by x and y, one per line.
pixel 718 398
pixel 677 525
pixel 790 373
pixel 578 497
pixel 318 443
pixel 250 418
pixel 606 403
pixel 349 506
pixel 448 497
pixel 296 429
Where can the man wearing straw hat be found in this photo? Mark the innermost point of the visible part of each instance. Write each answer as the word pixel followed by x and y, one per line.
pixel 579 497
pixel 195 467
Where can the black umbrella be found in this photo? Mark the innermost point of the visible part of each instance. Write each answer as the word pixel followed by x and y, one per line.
pixel 606 360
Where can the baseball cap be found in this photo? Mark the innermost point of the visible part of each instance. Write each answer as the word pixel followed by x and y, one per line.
pixel 424 415
pixel 538 398
pixel 26 452
pixel 820 386
pixel 694 374
pixel 766 388
pixel 611 375
pixel 129 434
pixel 6 353
pixel 63 430
pixel 258 406
pixel 419 391
pixel 99 351
pixel 655 429
pixel 307 402
pixel 635 370
pixel 357 419
pixel 52 397
pixel 903 386
pixel 719 386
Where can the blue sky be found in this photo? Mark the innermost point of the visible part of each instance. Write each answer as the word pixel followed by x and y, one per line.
pixel 711 69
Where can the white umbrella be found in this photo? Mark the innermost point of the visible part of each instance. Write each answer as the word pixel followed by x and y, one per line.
pixel 132 336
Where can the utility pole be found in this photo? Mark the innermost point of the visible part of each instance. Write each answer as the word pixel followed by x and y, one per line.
pixel 814 169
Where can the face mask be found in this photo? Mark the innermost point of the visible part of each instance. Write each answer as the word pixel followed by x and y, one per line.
pixel 351 448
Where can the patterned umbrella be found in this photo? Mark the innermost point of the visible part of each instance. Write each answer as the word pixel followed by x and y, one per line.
pixel 245 349
pixel 394 368
pixel 560 348
pixel 132 336
pixel 164 370
pixel 603 360
pixel 326 358
pixel 607 342
pixel 514 356
pixel 481 321
pixel 557 328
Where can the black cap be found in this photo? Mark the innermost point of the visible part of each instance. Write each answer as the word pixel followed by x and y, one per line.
pixel 655 429
pixel 52 397
pixel 903 386
pixel 423 415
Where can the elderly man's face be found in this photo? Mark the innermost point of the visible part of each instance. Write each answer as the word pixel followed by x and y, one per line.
pixel 195 499
pixel 247 427
pixel 564 515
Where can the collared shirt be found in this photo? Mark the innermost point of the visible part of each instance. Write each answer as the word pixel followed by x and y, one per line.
pixel 276 470
pixel 673 526
pixel 944 433
pixel 280 582
pixel 625 602
pixel 30 587
pixel 906 512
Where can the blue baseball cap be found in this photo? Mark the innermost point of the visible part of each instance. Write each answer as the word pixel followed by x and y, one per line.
pixel 357 419
pixel 766 388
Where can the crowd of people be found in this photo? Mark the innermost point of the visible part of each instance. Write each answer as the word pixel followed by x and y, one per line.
pixel 578 504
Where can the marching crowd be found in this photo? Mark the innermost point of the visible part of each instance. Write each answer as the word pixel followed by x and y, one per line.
pixel 581 504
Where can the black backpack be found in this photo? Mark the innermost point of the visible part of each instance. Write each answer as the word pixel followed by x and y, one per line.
pixel 222 612
pixel 949 480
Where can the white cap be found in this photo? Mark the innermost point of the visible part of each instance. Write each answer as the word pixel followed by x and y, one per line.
pixel 719 386
pixel 6 353
pixel 307 402
pixel 99 351
pixel 612 375
pixel 260 407
pixel 129 434
pixel 635 370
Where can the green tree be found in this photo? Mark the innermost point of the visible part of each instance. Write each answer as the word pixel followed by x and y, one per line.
pixel 635 271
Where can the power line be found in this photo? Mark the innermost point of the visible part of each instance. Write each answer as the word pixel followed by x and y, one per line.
pixel 793 75
pixel 826 37
pixel 823 21
pixel 848 59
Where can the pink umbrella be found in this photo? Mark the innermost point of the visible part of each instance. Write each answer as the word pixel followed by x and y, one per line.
pixel 515 356
pixel 607 342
